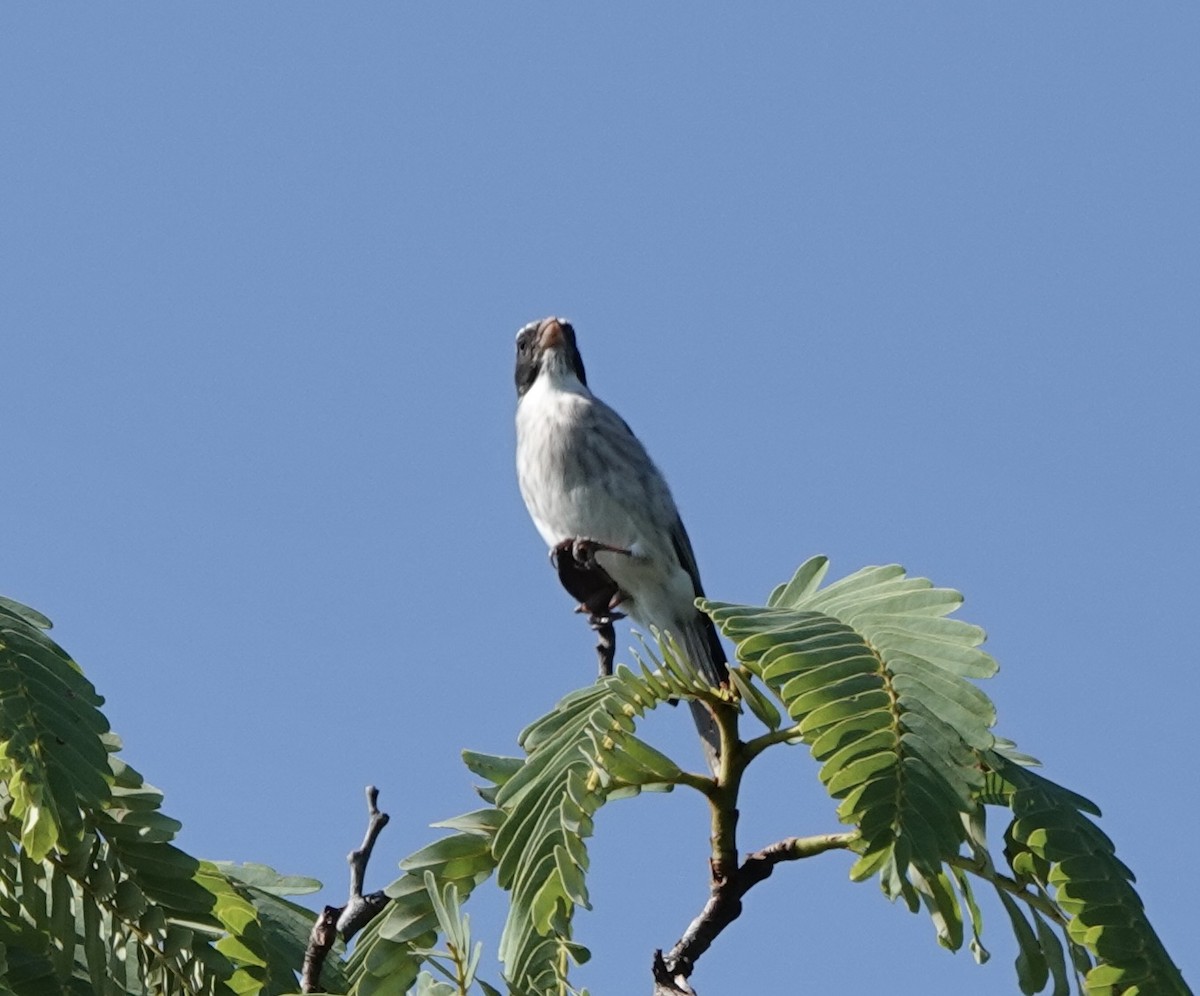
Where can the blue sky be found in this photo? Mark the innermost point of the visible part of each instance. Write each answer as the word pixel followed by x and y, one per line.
pixel 906 283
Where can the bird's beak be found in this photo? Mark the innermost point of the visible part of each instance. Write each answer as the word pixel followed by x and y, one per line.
pixel 550 333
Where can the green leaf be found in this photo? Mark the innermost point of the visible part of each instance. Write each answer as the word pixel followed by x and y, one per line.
pixel 762 707
pixel 267 879
pixel 941 901
pixel 481 822
pixel 1032 970
pixel 62 925
pixel 24 613
pixel 95 950
pixel 805 581
pixel 978 951
pixel 1052 949
pixel 494 768
pixel 461 850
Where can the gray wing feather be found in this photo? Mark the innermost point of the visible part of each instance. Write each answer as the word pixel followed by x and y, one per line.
pixel 613 451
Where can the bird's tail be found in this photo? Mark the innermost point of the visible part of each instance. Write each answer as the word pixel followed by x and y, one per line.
pixel 710 734
pixel 700 642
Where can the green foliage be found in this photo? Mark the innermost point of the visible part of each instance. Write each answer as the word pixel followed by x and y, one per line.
pixel 458 961
pixel 874 675
pixel 53 758
pixel 390 952
pixel 578 757
pixel 870 673
pixel 285 925
pixel 1053 847
pixel 875 678
pixel 93 895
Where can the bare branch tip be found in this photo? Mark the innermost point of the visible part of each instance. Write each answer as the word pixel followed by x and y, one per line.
pixel 359 910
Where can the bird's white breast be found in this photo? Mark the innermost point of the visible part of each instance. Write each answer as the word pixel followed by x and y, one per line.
pixel 544 427
pixel 576 487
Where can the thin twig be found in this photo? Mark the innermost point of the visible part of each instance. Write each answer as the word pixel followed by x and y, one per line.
pixel 752 748
pixel 606 641
pixel 359 910
pixel 1039 902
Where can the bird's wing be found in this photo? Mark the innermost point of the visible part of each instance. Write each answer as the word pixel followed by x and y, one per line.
pixel 686 555
pixel 656 495
pixel 698 634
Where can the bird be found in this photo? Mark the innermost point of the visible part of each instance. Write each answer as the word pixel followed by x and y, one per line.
pixel 596 497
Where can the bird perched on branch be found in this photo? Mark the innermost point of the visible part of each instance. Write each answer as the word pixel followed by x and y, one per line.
pixel 598 500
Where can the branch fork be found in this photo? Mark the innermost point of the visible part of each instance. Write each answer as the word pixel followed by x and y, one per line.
pixel 729 884
pixel 359 909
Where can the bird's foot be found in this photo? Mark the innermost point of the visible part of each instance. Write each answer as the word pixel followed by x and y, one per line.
pixel 602 615
pixel 590 585
pixel 583 551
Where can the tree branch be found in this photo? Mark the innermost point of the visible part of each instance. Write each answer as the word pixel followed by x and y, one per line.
pixel 672 971
pixel 359 910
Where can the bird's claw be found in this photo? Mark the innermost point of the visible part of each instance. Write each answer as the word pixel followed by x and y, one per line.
pixel 601 618
pixel 584 551
pixel 596 593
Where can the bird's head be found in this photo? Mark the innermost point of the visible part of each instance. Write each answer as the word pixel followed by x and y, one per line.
pixel 547 348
